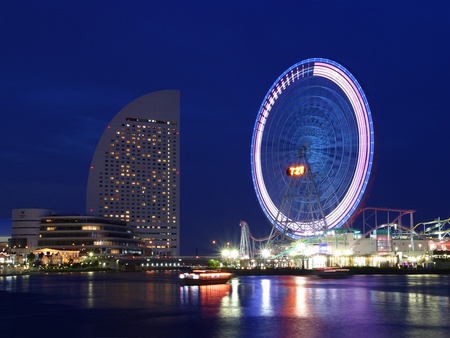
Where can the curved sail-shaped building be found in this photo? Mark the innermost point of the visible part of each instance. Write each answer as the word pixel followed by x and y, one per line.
pixel 134 173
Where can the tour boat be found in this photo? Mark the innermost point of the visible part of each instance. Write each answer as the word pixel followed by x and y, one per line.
pixel 205 277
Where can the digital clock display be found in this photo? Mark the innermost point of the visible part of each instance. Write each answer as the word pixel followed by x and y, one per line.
pixel 297 170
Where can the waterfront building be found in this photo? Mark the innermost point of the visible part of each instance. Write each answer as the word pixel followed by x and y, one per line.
pixel 25 227
pixel 134 173
pixel 48 256
pixel 87 234
pixel 383 247
pixel 4 241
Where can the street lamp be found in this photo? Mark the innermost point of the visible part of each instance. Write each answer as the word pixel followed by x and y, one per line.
pixel 300 247
pixel 234 254
pixel 225 253
pixel 265 254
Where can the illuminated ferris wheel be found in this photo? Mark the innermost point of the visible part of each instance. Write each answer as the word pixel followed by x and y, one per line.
pixel 312 148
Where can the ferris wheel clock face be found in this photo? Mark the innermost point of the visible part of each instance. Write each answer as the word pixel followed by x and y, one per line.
pixel 312 148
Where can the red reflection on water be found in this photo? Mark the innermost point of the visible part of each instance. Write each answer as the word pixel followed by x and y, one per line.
pixel 204 294
pixel 296 303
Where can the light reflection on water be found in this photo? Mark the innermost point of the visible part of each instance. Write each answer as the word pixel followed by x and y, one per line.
pixel 230 306
pixel 155 305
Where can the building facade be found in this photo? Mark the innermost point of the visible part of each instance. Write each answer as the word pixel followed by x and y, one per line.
pixel 134 173
pixel 88 235
pixel 25 227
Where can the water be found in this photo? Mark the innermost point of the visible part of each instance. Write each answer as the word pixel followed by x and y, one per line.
pixel 147 304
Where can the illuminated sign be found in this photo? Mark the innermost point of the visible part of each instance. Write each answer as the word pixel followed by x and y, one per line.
pixel 298 170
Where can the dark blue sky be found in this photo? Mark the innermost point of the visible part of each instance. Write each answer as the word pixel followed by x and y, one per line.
pixel 67 67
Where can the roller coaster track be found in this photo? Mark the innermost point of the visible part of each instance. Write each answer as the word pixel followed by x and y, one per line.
pixel 432 230
pixel 244 224
pixel 438 227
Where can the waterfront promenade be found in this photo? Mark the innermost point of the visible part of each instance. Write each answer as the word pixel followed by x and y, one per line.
pixel 8 271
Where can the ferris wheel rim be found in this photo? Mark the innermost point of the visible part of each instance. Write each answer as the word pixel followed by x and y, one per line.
pixel 340 76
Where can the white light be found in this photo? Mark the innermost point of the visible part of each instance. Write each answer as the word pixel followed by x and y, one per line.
pixel 300 247
pixel 265 253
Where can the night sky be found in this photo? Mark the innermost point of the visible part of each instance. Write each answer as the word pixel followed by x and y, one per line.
pixel 67 67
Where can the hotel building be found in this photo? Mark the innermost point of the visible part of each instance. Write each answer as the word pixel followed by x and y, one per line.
pixel 134 174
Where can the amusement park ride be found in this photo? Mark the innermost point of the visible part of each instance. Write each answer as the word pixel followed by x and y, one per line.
pixel 312 154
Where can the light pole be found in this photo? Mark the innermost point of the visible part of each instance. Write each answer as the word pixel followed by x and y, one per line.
pixel 265 254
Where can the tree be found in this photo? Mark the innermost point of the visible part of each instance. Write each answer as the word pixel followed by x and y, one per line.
pixel 213 263
pixel 31 258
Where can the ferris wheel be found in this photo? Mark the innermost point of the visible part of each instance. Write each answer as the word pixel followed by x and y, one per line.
pixel 312 148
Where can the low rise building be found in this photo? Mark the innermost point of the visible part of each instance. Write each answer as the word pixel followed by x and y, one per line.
pixel 88 234
pixel 25 227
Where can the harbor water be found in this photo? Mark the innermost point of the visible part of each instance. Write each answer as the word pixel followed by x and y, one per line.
pixel 154 304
